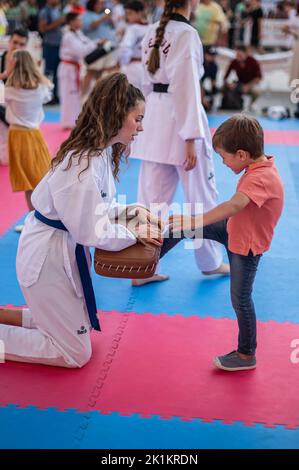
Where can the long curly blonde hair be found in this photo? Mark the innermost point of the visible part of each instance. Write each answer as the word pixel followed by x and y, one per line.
pixel 100 120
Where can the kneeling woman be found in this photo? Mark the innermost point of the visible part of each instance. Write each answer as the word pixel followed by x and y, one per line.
pixel 74 205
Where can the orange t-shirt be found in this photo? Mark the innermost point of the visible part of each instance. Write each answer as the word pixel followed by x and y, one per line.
pixel 252 228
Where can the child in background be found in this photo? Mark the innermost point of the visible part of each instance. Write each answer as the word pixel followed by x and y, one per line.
pixel 130 46
pixel 118 18
pixel 244 224
pixel 26 91
pixel 73 48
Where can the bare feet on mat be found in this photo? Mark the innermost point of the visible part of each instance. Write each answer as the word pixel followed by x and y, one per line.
pixel 154 278
pixel 223 269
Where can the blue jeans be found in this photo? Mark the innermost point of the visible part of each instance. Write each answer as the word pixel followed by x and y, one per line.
pixel 51 56
pixel 243 270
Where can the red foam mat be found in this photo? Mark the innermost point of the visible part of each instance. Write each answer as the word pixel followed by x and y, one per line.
pixel 13 205
pixel 54 136
pixel 161 365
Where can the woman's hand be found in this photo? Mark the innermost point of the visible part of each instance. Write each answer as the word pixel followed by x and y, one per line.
pixel 147 233
pixel 191 156
pixel 144 216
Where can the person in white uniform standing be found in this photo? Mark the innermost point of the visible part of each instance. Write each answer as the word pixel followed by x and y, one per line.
pixel 130 46
pixel 74 47
pixel 176 144
pixel 75 209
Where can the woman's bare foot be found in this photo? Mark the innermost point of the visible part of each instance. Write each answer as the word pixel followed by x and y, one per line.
pixel 154 278
pixel 11 316
pixel 223 269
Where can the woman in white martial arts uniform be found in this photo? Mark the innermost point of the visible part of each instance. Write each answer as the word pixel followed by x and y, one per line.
pixel 130 46
pixel 176 144
pixel 74 47
pixel 74 204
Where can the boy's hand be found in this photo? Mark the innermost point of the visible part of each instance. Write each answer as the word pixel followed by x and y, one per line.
pixel 181 223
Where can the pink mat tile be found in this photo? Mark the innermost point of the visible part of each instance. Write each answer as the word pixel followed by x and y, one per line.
pixel 159 364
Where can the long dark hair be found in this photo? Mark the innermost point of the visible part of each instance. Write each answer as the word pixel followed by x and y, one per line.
pixel 100 120
pixel 154 60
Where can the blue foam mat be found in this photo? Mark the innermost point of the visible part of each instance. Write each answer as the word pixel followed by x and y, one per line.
pixel 53 116
pixel 33 428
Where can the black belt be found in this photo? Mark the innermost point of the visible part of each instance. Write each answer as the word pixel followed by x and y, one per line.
pixel 160 88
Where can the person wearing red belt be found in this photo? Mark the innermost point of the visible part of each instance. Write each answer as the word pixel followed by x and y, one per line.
pixel 74 47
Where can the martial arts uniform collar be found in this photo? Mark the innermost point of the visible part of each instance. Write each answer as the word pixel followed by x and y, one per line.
pixel 179 17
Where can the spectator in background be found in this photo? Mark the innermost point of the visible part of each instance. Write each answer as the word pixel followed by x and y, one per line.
pixel 29 14
pixel 255 13
pixel 74 6
pixel 3 20
pixel 248 72
pixel 210 20
pixel 290 10
pixel 118 19
pixel 240 14
pixel 50 25
pixel 292 29
pixel 210 75
pixel 158 10
pixel 13 16
pixel 18 40
pixel 98 25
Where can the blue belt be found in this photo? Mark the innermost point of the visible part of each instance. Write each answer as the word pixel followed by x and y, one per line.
pixel 83 272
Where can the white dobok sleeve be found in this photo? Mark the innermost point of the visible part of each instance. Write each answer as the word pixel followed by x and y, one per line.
pixel 75 49
pixel 86 215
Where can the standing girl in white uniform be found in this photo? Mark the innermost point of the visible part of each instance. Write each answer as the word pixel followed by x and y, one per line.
pixel 74 47
pixel 73 206
pixel 130 46
pixel 176 144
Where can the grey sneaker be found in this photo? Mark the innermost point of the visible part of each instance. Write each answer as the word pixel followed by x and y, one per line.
pixel 232 362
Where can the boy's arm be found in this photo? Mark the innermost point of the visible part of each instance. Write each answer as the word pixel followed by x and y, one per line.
pixel 221 212
pixel 225 210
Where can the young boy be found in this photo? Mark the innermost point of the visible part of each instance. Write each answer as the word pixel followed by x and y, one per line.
pixel 244 224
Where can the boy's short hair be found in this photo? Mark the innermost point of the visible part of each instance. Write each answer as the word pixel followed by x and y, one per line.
pixel 69 17
pixel 242 48
pixel 20 32
pixel 240 132
pixel 135 5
